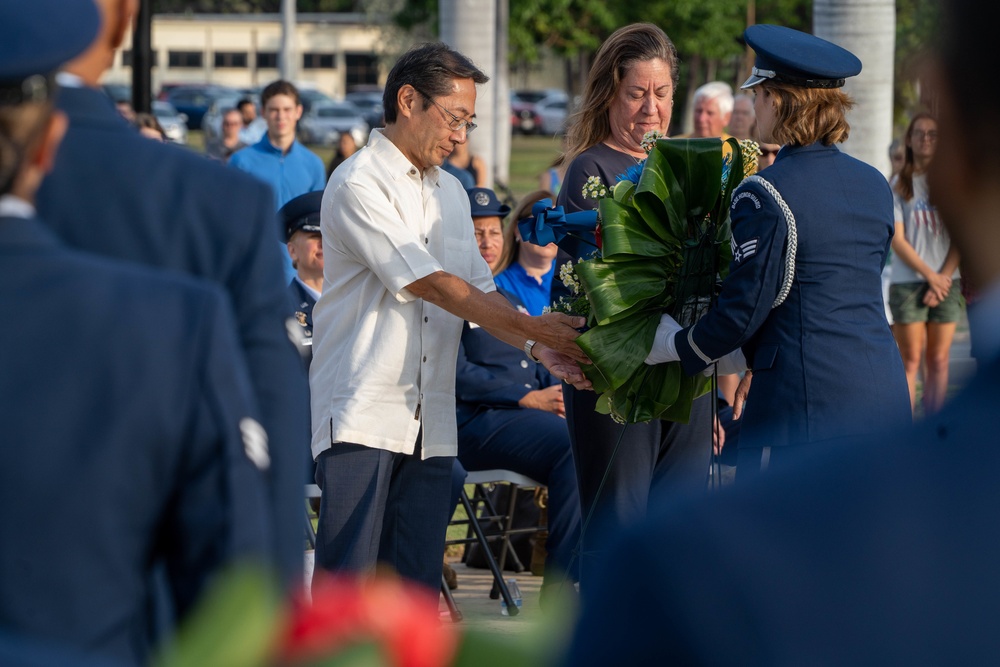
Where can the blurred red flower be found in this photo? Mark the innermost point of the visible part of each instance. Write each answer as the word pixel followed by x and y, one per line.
pixel 401 618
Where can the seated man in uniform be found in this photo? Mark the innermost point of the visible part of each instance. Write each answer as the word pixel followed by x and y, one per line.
pixel 299 220
pixel 127 415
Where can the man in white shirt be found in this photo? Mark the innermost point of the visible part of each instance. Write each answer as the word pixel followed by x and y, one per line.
pixel 402 271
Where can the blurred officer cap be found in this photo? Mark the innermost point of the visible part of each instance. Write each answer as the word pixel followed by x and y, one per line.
pixel 301 213
pixel 485 203
pixel 37 37
pixel 797 58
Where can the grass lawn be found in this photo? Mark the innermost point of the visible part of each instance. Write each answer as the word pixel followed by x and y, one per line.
pixel 529 157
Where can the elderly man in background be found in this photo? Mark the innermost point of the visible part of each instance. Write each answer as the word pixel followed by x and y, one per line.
pixel 713 107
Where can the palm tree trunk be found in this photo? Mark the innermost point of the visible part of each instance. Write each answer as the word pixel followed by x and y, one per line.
pixel 470 27
pixel 866 28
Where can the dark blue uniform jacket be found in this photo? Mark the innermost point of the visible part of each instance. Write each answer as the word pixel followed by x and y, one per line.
pixel 824 362
pixel 124 396
pixel 118 194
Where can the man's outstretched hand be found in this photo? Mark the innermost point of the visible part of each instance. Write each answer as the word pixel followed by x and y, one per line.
pixel 559 332
pixel 562 366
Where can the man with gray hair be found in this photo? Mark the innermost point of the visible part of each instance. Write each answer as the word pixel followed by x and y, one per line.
pixel 401 273
pixel 713 107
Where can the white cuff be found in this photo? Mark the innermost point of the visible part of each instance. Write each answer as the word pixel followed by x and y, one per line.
pixel 664 346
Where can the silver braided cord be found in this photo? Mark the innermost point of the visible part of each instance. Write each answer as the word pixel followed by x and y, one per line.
pixel 793 239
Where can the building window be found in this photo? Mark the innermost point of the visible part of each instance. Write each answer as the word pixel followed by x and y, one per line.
pixel 319 60
pixel 267 60
pixel 185 59
pixel 127 58
pixel 236 59
pixel 362 69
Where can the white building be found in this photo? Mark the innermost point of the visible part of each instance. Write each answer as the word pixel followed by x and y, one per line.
pixel 335 52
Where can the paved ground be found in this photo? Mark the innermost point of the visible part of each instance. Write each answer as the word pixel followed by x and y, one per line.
pixel 481 612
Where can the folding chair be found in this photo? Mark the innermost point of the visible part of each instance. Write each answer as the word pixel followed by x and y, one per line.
pixel 478 509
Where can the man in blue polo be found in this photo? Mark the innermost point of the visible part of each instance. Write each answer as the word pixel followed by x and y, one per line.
pixel 278 158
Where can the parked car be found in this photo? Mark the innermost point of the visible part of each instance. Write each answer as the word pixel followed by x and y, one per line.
pixel 325 121
pixel 370 104
pixel 174 123
pixel 523 118
pixel 195 100
pixel 166 87
pixel 311 96
pixel 536 96
pixel 552 115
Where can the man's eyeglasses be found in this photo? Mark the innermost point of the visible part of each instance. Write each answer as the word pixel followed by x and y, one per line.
pixel 456 124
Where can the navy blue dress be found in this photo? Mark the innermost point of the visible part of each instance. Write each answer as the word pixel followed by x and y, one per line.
pixel 619 466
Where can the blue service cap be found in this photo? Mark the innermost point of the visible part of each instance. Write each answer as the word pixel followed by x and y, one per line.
pixel 484 202
pixel 301 213
pixel 797 58
pixel 37 37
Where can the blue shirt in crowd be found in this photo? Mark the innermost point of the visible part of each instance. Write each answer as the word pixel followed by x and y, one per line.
pixel 291 174
pixel 295 173
pixel 533 295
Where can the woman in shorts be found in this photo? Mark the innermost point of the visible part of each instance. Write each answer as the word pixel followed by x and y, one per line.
pixel 925 296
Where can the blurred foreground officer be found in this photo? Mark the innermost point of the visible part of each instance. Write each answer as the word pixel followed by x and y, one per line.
pixel 883 555
pixel 126 420
pixel 170 207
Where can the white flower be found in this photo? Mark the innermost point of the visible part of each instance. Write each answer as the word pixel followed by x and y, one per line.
pixel 594 188
pixel 649 140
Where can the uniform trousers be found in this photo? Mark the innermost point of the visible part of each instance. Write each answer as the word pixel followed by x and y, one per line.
pixel 536 444
pixel 653 457
pixel 383 507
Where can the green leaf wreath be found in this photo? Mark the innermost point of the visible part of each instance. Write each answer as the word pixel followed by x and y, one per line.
pixel 665 248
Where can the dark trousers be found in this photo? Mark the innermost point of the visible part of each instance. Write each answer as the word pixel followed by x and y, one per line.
pixel 383 507
pixel 536 444
pixel 654 457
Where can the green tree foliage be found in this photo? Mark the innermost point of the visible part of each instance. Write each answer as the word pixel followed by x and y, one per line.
pixel 250 6
pixel 566 27
pixel 916 27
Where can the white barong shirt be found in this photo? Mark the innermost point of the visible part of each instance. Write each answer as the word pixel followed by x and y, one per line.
pixel 383 360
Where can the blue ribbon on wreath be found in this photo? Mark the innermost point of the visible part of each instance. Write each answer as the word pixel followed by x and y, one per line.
pixel 551 224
